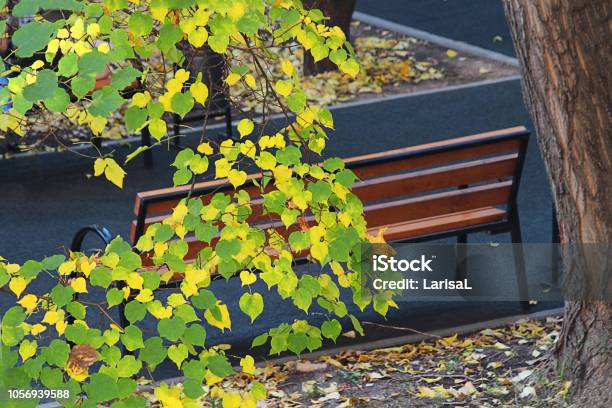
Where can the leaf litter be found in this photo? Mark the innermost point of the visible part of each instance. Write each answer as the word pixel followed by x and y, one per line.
pixel 493 367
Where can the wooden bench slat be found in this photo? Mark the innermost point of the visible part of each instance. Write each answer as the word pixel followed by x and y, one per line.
pixel 405 184
pixel 365 166
pixel 439 204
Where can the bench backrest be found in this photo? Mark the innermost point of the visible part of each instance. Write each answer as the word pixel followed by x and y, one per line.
pixel 412 183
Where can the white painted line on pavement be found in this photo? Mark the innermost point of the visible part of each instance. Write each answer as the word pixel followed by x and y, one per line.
pixel 434 38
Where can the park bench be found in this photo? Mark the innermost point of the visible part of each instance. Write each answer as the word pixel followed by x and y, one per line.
pixel 450 188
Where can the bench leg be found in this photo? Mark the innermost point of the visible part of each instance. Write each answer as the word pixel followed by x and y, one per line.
pixel 145 140
pixel 177 131
pixel 461 271
pixel 519 260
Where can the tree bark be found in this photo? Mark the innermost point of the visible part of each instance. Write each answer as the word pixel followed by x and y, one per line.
pixel 340 13
pixel 564 50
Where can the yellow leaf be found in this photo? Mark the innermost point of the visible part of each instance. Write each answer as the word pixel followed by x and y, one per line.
pixel 250 81
pixel 99 166
pixel 232 78
pixel 224 322
pixel 426 392
pixel 237 177
pixel 27 349
pixel 114 173
pixel 87 266
pixel 179 212
pixel 287 67
pixel 222 168
pixel 198 37
pixel 205 148
pixel 247 278
pixel 248 149
pixel 141 99
pixel 245 127
pixel 37 329
pixel 199 91
pixel 181 75
pixel 248 365
pixel 448 341
pixel 79 285
pixel 51 317
pixel 232 401
pixel 283 88
pixel 319 251
pixel 135 281
pixel 93 29
pixel 350 67
pixel 451 53
pixel 158 128
pixel 29 302
pixel 17 285
pixel 145 295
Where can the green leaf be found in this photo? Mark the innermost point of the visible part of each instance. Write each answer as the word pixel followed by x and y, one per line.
pixel 135 118
pixel 59 101
pixel 169 35
pixel 178 353
pixel 321 190
pixel 132 338
pixel 331 329
pixel 30 269
pixel 228 248
pixel 140 24
pixel 56 353
pixel 101 277
pixel 219 366
pixel 61 295
pixel 101 388
pixel 76 333
pixel 183 158
pixel 135 311
pixel 92 63
pixel 171 329
pixel 296 102
pixel 251 304
pixel 68 65
pixel 205 232
pixel 44 87
pixel 82 85
pixel 194 369
pixel 205 299
pixel 128 366
pixel 76 310
pixel 105 102
pixel 181 177
pixel 333 164
pixel 53 262
pixel 124 77
pixel 260 340
pixel 182 103
pixel 195 335
pixel 114 297
pixel 218 43
pixel 153 352
pixel 32 37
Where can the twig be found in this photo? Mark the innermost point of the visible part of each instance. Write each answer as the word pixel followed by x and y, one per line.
pixel 386 326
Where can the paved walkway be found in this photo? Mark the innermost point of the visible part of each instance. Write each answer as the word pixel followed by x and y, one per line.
pixel 476 22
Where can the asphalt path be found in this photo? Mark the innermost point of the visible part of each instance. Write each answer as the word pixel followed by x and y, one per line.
pixel 476 22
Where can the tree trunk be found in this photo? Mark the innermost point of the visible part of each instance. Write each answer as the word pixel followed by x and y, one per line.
pixel 340 13
pixel 564 51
